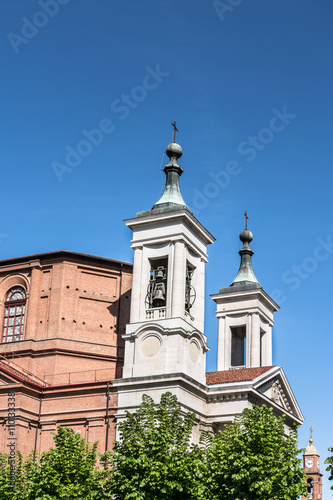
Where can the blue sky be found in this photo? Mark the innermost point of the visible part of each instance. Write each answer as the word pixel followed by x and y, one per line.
pixel 250 86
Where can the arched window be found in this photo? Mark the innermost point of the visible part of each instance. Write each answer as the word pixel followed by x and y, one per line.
pixel 309 485
pixel 13 320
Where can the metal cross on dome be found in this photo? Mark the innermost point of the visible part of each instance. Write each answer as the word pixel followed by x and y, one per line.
pixel 246 219
pixel 174 130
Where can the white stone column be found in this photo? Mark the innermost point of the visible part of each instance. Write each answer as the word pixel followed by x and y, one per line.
pixel 136 286
pixel 255 341
pixel 248 334
pixel 200 296
pixel 227 344
pixel 129 358
pixel 178 282
pixel 268 358
pixel 221 341
pixel 171 259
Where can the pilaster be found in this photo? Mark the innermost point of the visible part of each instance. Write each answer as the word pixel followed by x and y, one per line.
pixel 255 342
pixel 136 286
pixel 178 281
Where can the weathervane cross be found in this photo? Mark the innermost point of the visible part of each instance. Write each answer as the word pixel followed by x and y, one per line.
pixel 246 219
pixel 311 431
pixel 175 129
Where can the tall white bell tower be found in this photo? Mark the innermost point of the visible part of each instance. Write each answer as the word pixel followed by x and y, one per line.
pixel 165 333
pixel 245 314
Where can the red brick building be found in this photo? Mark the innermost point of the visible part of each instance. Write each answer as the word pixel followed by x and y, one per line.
pixel 62 315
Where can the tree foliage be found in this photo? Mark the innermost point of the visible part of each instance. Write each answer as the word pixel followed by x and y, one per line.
pixel 154 458
pixel 14 477
pixel 67 471
pixel 329 461
pixel 253 459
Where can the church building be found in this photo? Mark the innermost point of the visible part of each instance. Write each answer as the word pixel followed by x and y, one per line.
pixel 84 337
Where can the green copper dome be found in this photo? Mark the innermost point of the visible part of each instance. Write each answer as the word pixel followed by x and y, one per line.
pixel 172 196
pixel 245 273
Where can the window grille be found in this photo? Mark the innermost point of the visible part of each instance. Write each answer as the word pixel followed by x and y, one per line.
pixel 14 314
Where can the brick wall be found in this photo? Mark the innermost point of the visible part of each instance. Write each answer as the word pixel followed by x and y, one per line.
pixel 77 308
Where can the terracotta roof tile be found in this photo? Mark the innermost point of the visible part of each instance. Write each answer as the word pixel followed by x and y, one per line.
pixel 240 375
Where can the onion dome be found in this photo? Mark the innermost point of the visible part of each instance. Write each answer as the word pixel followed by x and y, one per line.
pixel 172 197
pixel 245 273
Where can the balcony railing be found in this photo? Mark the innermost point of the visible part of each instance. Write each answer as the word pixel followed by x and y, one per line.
pixel 155 313
pixel 80 377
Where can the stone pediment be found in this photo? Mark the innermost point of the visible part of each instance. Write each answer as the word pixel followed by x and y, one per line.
pixel 275 386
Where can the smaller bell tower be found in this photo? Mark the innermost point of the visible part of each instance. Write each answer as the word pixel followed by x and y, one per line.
pixel 166 330
pixel 311 465
pixel 245 314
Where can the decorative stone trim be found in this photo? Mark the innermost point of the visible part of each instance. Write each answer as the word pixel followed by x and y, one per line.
pixel 227 397
pixel 279 396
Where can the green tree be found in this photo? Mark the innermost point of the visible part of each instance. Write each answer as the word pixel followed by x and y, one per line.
pixel 154 458
pixel 14 477
pixel 253 459
pixel 67 471
pixel 329 461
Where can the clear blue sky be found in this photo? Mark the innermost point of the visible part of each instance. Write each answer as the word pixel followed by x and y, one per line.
pixel 251 91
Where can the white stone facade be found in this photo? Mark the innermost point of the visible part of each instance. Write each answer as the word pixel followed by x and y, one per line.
pixel 253 310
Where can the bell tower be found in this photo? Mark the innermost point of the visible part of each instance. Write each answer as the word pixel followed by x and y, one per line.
pixel 312 470
pixel 165 333
pixel 245 314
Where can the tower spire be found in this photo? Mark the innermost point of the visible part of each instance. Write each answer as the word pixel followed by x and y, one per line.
pixel 245 273
pixel 172 197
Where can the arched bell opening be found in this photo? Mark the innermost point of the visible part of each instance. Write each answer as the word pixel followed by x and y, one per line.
pixel 157 286
pixel 309 486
